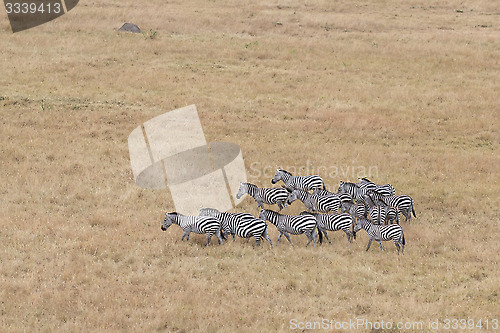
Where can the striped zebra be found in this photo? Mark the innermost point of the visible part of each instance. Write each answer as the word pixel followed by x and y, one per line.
pixel 386 189
pixel 243 225
pixel 353 189
pixel 334 222
pixel 290 224
pixel 356 210
pixel 197 224
pixel 381 233
pixel 305 183
pixel 404 203
pixel 380 214
pixel 344 197
pixel 269 196
pixel 315 203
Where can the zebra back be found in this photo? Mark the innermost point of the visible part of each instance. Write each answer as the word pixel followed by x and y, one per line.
pixel 197 224
pixel 386 189
pixel 294 224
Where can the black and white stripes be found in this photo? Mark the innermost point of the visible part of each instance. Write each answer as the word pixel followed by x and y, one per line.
pixel 316 203
pixel 197 224
pixel 291 224
pixel 381 233
pixel 364 205
pixel 269 196
pixel 305 183
pixel 240 224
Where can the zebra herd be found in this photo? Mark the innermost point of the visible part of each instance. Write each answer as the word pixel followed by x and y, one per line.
pixel 364 205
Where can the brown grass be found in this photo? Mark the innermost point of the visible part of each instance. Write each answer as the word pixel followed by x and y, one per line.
pixel 407 88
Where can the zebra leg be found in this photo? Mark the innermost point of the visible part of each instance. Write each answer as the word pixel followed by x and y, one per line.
pixel 208 239
pixel 326 236
pixel 349 235
pixel 186 234
pixel 380 243
pixel 266 237
pixel 217 234
pixel 311 238
pixel 234 239
pixel 257 240
pixel 280 206
pixel 288 237
pixel 279 237
pixel 396 242
pixel 369 244
pixel 405 213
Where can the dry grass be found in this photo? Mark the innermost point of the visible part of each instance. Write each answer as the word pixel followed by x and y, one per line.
pixel 405 87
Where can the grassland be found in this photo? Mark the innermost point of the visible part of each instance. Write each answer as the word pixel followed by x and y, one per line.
pixel 407 88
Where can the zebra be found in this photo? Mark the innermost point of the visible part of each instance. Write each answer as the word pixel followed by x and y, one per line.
pixel 295 225
pixel 381 233
pixel 380 214
pixel 242 224
pixel 386 189
pixel 356 210
pixel 344 197
pixel 353 189
pixel 334 222
pixel 404 203
pixel 197 224
pixel 305 183
pixel 315 203
pixel 270 196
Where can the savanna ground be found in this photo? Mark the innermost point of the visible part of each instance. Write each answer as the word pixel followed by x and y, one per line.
pixel 408 89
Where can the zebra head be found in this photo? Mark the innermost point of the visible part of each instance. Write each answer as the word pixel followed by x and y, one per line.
pixel 360 223
pixel 243 189
pixel 342 187
pixel 281 175
pixel 277 176
pixel 294 195
pixel 167 222
pixel 345 206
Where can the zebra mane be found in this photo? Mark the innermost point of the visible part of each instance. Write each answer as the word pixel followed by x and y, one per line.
pixel 285 172
pixel 366 179
pixel 251 185
pixel 173 213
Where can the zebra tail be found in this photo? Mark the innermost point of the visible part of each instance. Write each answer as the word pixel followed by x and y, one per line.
pixel 413 211
pixel 324 186
pixel 404 243
pixel 320 234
